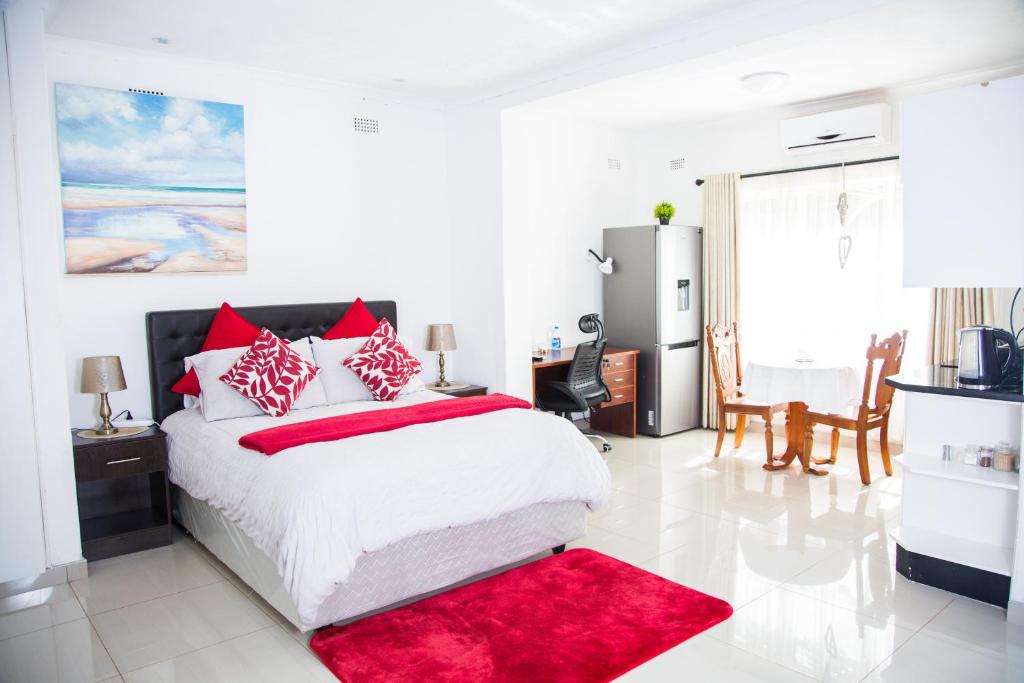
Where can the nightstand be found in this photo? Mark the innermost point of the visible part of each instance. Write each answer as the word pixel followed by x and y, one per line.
pixel 124 502
pixel 471 390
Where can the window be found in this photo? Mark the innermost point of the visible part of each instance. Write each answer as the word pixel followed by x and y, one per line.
pixel 795 299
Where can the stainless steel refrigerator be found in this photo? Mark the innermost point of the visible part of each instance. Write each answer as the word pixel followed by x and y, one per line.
pixel 652 301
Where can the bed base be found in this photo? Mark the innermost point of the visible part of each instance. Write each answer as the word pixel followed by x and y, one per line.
pixel 400 573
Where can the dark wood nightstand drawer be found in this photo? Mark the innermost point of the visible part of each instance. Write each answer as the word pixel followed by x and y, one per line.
pixel 109 460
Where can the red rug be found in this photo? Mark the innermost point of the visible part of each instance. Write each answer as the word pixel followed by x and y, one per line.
pixel 575 617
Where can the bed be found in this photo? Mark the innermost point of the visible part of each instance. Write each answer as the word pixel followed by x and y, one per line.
pixel 336 573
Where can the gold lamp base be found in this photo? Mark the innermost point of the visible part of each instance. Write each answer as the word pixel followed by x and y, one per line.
pixel 118 433
pixel 447 386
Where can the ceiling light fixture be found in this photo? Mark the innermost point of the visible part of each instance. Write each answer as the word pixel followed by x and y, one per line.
pixel 160 40
pixel 764 81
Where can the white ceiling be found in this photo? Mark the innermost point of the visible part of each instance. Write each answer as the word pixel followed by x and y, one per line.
pixel 899 45
pixel 440 48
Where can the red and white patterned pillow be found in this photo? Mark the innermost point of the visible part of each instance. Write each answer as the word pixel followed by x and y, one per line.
pixel 383 363
pixel 270 374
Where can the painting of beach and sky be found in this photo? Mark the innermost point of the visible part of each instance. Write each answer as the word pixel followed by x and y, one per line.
pixel 150 183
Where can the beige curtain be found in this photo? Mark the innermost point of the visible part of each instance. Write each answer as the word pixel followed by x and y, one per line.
pixel 952 309
pixel 720 268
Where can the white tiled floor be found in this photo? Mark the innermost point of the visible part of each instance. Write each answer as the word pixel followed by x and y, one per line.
pixel 806 563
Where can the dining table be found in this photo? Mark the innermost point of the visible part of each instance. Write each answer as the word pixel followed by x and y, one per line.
pixel 825 386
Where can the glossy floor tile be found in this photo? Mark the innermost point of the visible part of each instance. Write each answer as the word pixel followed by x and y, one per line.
pixel 150 632
pixel 130 579
pixel 806 562
pixel 703 658
pixel 66 653
pixel 812 637
pixel 266 655
pixel 937 660
pixel 38 609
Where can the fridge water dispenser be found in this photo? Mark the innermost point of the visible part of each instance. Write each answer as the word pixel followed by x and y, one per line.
pixel 683 295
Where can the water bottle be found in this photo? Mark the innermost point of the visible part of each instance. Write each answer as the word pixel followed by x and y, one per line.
pixel 556 338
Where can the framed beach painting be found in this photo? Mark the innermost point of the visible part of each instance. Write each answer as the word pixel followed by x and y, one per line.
pixel 150 184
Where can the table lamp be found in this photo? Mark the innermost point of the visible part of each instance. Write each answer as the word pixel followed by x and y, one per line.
pixel 441 338
pixel 101 375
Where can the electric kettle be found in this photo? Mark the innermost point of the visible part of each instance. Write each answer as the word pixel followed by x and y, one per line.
pixel 988 355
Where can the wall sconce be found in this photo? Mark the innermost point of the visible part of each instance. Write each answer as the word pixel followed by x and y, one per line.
pixel 604 264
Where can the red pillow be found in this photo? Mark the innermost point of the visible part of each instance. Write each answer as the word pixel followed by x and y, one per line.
pixel 357 322
pixel 270 374
pixel 384 365
pixel 227 331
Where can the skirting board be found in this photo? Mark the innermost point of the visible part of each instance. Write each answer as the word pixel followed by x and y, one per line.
pixel 969 582
pixel 65 573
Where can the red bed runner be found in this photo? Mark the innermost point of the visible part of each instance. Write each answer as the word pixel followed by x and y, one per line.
pixel 578 617
pixel 276 439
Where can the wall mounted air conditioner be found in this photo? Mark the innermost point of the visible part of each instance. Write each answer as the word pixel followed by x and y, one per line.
pixel 870 124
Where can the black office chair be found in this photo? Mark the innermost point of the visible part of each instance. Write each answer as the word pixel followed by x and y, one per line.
pixel 583 389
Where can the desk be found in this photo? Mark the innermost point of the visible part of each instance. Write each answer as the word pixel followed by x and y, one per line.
pixel 618 369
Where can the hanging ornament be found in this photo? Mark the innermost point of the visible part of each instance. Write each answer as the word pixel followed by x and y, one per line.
pixel 845 241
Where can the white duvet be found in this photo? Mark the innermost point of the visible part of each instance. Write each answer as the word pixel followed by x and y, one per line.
pixel 316 508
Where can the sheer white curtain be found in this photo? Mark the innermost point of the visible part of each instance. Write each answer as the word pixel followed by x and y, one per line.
pixel 794 297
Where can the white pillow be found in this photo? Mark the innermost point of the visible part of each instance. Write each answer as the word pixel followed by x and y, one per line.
pixel 219 401
pixel 313 395
pixel 340 383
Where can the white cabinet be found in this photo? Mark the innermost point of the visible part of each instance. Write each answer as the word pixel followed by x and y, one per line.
pixel 963 186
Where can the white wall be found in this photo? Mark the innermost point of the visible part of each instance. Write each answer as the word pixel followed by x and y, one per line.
pixel 560 194
pixel 332 214
pixel 962 175
pixel 746 144
pixel 474 262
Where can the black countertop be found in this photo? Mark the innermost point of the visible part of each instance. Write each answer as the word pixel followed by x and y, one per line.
pixel 939 379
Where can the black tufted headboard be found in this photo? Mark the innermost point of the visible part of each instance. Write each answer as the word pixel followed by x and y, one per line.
pixel 174 335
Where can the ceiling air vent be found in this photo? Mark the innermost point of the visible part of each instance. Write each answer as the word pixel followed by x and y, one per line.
pixel 365 125
pixel 676 164
pixel 146 92
pixel 614 164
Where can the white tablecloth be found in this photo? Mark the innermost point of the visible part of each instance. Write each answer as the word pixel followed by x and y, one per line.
pixel 824 387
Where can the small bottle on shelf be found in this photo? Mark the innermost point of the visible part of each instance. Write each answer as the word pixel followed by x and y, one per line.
pixel 555 338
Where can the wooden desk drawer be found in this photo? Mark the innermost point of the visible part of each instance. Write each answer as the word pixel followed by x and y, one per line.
pixel 618 362
pixel 623 378
pixel 620 395
pixel 137 457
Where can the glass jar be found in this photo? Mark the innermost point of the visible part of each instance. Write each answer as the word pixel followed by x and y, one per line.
pixel 1005 457
pixel 970 454
pixel 986 454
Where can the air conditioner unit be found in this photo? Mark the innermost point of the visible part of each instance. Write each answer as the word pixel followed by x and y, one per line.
pixel 870 124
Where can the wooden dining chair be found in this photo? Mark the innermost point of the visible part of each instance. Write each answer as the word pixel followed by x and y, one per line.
pixel 727 369
pixel 890 353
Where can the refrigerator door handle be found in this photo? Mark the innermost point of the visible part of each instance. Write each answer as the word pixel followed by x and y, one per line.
pixel 681 345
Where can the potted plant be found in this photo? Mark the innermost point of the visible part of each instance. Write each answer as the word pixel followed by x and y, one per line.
pixel 664 212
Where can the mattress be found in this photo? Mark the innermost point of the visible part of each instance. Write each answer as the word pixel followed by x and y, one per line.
pixel 411 568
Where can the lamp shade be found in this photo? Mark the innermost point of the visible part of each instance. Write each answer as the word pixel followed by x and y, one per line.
pixel 102 374
pixel 441 337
